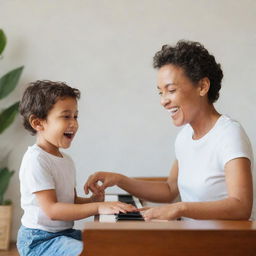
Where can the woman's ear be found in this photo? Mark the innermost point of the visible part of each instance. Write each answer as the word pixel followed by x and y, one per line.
pixel 36 123
pixel 204 86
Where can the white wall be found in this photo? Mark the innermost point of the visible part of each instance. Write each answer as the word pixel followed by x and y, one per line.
pixel 105 48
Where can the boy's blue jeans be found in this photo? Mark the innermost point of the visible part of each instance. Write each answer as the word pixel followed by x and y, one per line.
pixel 31 242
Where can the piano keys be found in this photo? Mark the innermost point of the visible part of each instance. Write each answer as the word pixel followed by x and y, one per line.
pixel 126 198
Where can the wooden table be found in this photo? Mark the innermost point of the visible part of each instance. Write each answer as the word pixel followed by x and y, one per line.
pixel 174 238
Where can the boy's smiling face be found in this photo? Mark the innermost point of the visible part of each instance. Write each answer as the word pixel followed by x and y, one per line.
pixel 60 126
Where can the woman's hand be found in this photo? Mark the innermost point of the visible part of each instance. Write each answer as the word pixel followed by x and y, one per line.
pixel 115 207
pixel 165 212
pixel 108 179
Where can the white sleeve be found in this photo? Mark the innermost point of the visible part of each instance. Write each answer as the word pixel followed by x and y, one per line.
pixel 38 174
pixel 235 144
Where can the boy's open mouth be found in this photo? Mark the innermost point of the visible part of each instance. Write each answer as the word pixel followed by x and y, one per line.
pixel 69 134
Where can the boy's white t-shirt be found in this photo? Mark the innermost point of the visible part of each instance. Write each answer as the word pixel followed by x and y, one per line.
pixel 43 171
pixel 201 162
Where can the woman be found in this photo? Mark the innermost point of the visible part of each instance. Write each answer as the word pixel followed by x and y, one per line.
pixel 212 170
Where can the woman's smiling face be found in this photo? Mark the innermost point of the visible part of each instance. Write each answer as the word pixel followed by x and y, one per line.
pixel 179 95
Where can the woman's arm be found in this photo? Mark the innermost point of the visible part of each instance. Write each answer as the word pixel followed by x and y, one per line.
pixel 155 191
pixel 236 206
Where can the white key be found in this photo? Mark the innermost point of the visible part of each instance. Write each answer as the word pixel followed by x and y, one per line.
pixel 109 217
pixel 137 202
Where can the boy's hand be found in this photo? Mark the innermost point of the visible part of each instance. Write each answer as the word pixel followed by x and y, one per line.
pixel 115 207
pixel 99 197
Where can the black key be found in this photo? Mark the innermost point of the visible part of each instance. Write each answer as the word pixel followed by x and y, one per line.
pixel 133 218
pixel 128 199
pixel 129 214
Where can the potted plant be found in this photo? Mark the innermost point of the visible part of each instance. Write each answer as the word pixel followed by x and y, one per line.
pixel 8 83
pixel 5 209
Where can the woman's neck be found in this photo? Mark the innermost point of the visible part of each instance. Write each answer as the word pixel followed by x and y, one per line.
pixel 204 121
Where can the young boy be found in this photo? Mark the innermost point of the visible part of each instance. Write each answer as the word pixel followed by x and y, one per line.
pixel 47 175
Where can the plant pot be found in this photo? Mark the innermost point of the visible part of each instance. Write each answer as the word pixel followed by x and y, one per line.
pixel 5 226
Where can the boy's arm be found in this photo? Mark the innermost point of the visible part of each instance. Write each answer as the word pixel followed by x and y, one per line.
pixel 64 211
pixel 67 211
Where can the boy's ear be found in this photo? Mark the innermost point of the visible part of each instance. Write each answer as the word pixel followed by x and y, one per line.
pixel 36 123
pixel 204 86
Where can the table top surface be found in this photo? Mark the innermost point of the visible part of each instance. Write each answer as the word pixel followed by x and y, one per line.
pixel 174 225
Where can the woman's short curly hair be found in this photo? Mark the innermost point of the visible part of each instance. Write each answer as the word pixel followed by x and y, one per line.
pixel 39 98
pixel 196 62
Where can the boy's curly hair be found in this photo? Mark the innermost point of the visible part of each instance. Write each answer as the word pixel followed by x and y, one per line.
pixel 196 62
pixel 39 98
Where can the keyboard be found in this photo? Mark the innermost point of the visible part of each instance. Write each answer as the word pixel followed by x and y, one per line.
pixel 132 216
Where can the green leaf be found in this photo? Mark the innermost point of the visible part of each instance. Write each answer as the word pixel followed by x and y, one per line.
pixel 7 202
pixel 2 41
pixel 5 176
pixel 9 81
pixel 7 116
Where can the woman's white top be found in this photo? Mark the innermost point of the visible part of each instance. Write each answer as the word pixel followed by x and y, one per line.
pixel 201 162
